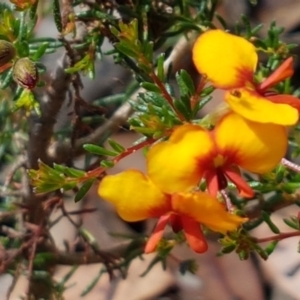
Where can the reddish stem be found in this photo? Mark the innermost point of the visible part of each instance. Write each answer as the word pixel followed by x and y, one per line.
pixel 166 95
pixel 195 98
pixel 98 171
pixel 278 237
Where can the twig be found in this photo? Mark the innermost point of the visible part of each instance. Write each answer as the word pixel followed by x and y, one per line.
pixel 278 237
pixel 254 211
pixel 13 169
pixel 227 200
pixel 42 126
pixel 59 150
pixel 15 280
pixel 290 165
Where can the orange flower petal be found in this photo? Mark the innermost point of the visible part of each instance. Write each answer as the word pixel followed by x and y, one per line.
pixel 254 107
pixel 253 146
pixel 227 60
pixel 206 210
pixel 285 70
pixel 242 185
pixel 194 235
pixel 173 164
pixel 134 195
pixel 157 234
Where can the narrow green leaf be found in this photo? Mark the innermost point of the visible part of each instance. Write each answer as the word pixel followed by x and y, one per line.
pixel 222 21
pixel 116 146
pixel 257 28
pixel 68 275
pixel 40 51
pixel 84 189
pixel 126 49
pixel 71 172
pixel 291 223
pixel 228 249
pixel 267 219
pixel 7 78
pixel 181 107
pixel 243 255
pixel 93 283
pixel 57 15
pixel 188 81
pixel 32 11
pixel 150 87
pixel 160 67
pixel 262 253
pixel 94 149
pixel 107 164
pixel 271 247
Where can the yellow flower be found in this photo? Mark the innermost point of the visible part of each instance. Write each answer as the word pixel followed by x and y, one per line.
pixel 229 62
pixel 192 153
pixel 136 198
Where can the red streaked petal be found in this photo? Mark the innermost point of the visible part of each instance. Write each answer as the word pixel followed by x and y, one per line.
pixel 286 99
pixel 242 185
pixel 255 147
pixel 157 234
pixel 194 235
pixel 173 165
pixel 285 70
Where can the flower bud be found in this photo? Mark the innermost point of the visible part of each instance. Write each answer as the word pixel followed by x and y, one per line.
pixel 7 52
pixel 25 73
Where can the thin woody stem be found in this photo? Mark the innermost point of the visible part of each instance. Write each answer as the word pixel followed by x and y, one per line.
pixel 98 171
pixel 166 95
pixel 227 200
pixel 290 165
pixel 195 97
pixel 278 237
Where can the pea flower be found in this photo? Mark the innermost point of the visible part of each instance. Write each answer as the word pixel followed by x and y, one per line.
pixel 229 62
pixel 193 153
pixel 23 4
pixel 136 197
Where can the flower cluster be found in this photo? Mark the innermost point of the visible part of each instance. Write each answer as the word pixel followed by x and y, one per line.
pixel 251 136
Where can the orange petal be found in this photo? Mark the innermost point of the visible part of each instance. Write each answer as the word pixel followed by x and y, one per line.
pixel 254 107
pixel 194 235
pixel 227 60
pixel 235 177
pixel 212 182
pixel 157 234
pixel 207 210
pixel 134 195
pixel 285 70
pixel 173 165
pixel 253 146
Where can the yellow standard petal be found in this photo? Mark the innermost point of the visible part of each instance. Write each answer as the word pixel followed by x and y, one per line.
pixel 253 146
pixel 254 107
pixel 227 60
pixel 206 210
pixel 173 164
pixel 134 195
